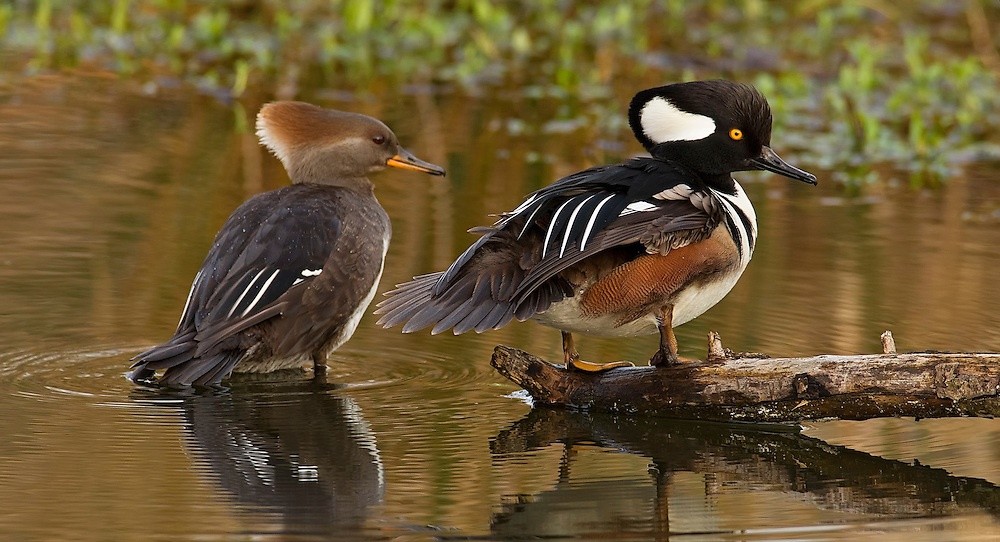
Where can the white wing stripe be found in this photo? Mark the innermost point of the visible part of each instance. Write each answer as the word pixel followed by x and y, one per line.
pixel 528 222
pixel 590 224
pixel 260 294
pixel 552 224
pixel 524 205
pixel 569 227
pixel 187 303
pixel 511 215
pixel 240 299
pixel 637 207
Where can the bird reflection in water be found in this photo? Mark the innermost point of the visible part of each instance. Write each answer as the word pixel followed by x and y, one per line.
pixel 293 457
pixel 732 463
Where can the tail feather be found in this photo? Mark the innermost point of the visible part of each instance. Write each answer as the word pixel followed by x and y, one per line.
pixel 500 316
pixel 404 302
pixel 167 351
pixel 472 301
pixel 474 317
pixel 449 309
pixel 178 345
pixel 451 320
pixel 481 302
pixel 178 350
pixel 202 371
pixel 467 305
pixel 141 374
pixel 428 315
pixel 181 365
pixel 407 294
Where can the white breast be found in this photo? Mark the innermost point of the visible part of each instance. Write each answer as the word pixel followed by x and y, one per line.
pixel 352 322
pixel 741 214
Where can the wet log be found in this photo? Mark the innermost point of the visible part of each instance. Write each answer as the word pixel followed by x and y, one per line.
pixel 733 387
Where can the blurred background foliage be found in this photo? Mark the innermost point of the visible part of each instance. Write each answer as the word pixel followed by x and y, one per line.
pixel 855 84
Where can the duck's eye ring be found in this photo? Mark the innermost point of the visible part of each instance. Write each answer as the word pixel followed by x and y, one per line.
pixel 736 134
pixel 380 139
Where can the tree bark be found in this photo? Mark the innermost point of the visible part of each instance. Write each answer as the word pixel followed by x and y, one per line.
pixel 729 387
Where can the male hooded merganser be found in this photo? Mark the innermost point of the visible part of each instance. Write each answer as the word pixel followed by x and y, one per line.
pixel 292 270
pixel 620 250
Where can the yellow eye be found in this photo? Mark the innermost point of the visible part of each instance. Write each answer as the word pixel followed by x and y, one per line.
pixel 736 134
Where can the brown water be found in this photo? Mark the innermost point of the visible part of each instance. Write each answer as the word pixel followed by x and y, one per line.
pixel 109 200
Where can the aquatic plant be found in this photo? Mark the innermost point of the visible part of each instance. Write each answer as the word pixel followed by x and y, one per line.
pixel 872 81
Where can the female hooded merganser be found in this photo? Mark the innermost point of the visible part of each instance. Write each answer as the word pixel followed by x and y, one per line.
pixel 292 270
pixel 621 250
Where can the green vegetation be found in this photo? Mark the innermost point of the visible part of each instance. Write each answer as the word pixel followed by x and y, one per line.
pixel 857 82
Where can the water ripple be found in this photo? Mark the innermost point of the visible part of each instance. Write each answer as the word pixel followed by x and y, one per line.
pixel 56 374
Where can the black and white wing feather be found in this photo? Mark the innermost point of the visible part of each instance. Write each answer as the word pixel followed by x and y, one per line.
pixel 512 271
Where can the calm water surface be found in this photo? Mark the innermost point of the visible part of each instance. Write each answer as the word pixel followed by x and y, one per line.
pixel 111 198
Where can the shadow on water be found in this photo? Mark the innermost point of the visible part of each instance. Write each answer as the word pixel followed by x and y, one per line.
pixel 729 458
pixel 293 457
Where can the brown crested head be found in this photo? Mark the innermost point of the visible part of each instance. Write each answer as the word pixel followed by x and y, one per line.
pixel 328 146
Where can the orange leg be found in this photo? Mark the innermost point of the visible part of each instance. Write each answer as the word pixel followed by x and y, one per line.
pixel 573 362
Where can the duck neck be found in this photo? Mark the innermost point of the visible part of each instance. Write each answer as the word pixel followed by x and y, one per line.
pixel 362 185
pixel 317 166
pixel 722 182
pixel 304 174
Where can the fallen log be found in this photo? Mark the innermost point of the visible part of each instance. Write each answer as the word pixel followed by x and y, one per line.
pixel 733 387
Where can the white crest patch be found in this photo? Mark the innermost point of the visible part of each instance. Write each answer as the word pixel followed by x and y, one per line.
pixel 662 121
pixel 269 141
pixel 311 272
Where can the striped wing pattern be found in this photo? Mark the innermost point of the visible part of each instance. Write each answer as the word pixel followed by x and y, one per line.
pixel 513 269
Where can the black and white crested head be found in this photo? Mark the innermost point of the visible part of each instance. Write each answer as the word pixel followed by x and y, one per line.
pixel 327 146
pixel 713 127
pixel 696 110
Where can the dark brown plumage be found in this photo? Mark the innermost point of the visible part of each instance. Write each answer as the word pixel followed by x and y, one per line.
pixel 292 270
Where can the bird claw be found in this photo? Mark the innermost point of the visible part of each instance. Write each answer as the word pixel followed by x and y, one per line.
pixel 664 359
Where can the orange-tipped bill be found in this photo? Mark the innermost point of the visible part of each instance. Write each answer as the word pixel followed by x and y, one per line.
pixel 404 159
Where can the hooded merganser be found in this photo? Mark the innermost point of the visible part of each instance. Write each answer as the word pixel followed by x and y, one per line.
pixel 292 270
pixel 620 250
